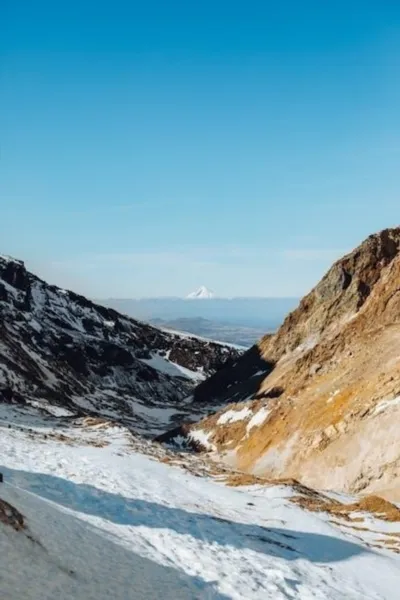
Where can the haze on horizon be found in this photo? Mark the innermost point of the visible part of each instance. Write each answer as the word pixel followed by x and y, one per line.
pixel 196 297
pixel 148 148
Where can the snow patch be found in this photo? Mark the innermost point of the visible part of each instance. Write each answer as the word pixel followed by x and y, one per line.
pixel 231 416
pixel 172 369
pixel 385 404
pixel 35 325
pixel 52 409
pixel 259 418
pixel 160 414
pixel 9 259
pixel 38 296
pixel 259 373
pixel 202 437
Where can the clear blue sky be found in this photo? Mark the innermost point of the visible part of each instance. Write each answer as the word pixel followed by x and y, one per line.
pixel 150 147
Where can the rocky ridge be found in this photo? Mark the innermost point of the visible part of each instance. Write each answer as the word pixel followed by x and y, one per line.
pixel 67 355
pixel 319 401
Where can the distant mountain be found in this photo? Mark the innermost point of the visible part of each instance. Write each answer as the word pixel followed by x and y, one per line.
pixel 202 293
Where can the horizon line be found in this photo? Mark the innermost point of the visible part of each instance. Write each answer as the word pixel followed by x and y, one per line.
pixel 202 300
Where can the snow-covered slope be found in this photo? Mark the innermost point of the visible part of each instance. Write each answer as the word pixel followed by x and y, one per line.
pixel 58 349
pixel 64 557
pixel 202 293
pixel 102 521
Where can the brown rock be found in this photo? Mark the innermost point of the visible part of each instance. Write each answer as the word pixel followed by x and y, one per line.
pixel 336 363
pixel 11 516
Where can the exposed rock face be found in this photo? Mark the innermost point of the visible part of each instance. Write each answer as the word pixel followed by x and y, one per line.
pixel 236 380
pixel 327 409
pixel 11 516
pixel 338 296
pixel 59 349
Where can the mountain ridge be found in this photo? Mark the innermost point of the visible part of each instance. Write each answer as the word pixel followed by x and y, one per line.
pixel 314 393
pixel 67 353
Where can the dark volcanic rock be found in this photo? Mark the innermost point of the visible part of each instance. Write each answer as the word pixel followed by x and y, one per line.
pixel 9 515
pixel 187 353
pixel 60 347
pixel 15 274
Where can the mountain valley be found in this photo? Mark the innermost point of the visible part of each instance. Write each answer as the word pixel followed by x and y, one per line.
pixel 135 459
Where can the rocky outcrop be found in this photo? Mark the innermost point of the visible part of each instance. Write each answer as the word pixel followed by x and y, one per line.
pixel 337 298
pixel 236 379
pixel 326 410
pixel 10 516
pixel 335 301
pixel 59 349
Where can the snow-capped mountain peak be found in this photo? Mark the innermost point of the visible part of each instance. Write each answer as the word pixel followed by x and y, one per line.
pixel 202 293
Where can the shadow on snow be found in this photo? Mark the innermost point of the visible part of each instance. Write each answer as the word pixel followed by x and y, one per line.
pixel 120 510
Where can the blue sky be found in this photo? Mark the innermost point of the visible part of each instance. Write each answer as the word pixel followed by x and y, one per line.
pixel 149 148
